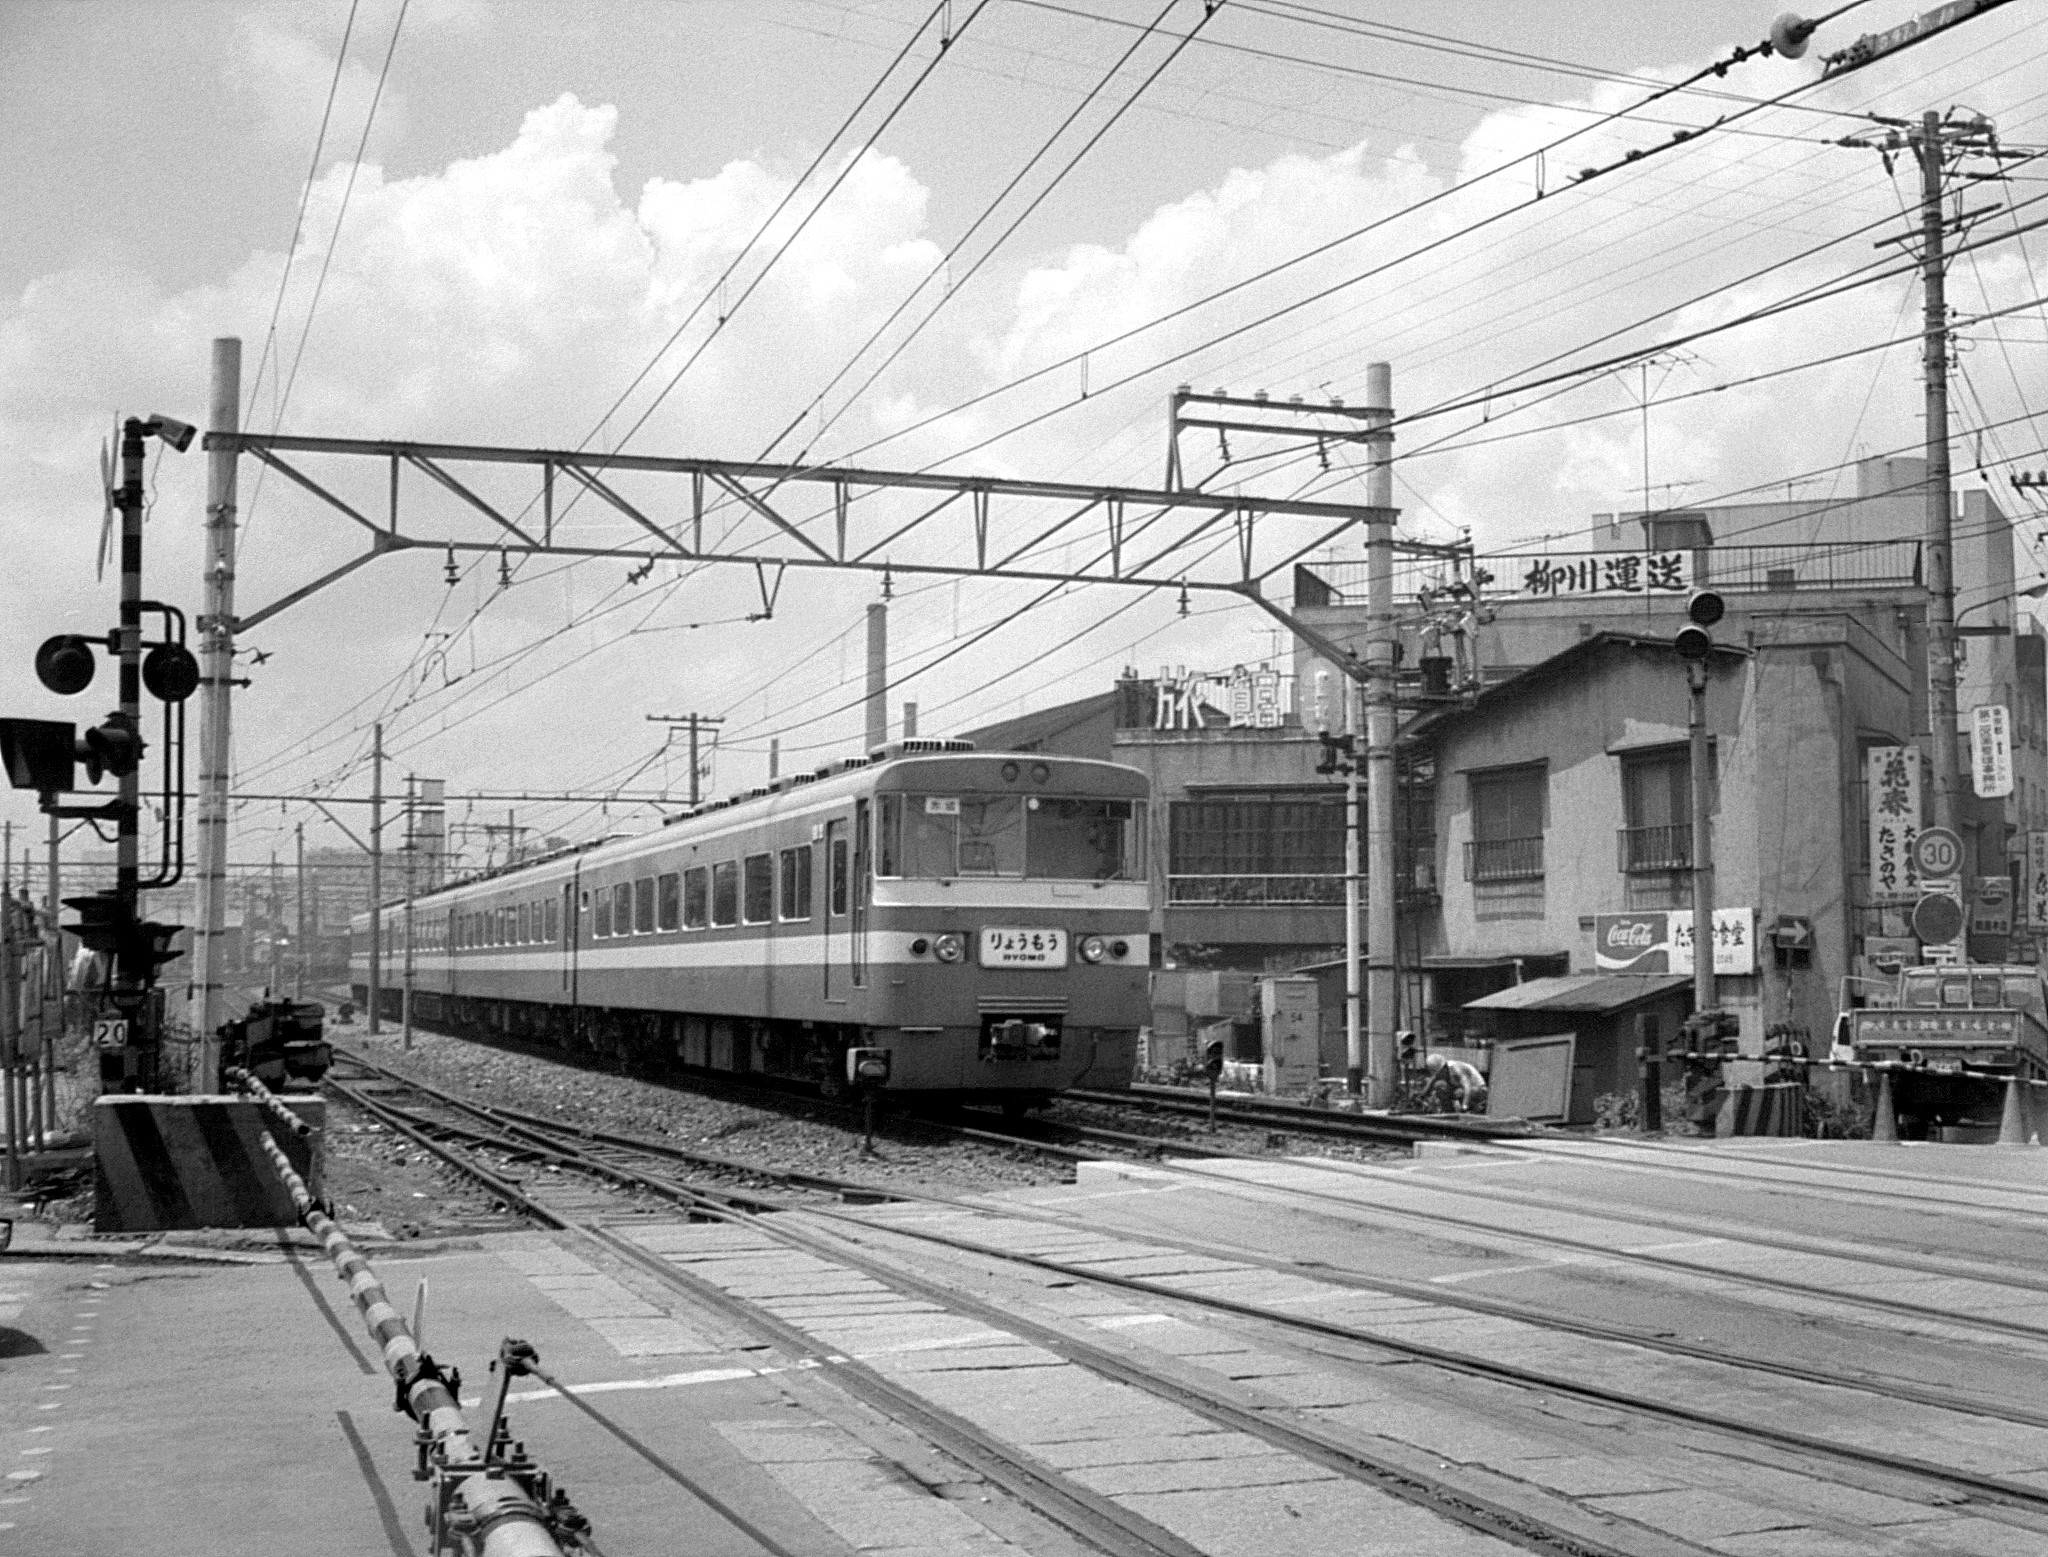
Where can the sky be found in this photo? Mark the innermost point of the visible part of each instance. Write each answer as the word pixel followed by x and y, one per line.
pixel 500 222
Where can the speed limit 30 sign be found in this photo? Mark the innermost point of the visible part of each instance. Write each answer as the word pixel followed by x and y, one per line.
pixel 1937 852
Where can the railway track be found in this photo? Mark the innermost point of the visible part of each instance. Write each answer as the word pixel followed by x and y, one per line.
pixel 853 1238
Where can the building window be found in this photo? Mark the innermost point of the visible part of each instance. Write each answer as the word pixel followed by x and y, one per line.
pixel 759 905
pixel 668 900
pixel 696 898
pixel 1507 824
pixel 796 883
pixel 725 893
pixel 1255 850
pixel 1656 800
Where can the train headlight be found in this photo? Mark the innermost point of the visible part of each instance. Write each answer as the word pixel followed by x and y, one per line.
pixel 1119 949
pixel 1094 949
pixel 920 946
pixel 949 948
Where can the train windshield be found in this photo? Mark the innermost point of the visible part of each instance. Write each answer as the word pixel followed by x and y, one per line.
pixel 1042 837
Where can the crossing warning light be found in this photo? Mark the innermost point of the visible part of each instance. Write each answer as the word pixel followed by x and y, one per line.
pixel 65 663
pixel 111 747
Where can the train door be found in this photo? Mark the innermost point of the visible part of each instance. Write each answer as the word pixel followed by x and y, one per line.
pixel 857 957
pixel 838 917
pixel 572 927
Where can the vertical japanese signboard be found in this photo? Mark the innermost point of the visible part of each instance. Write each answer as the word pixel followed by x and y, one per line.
pixel 1894 787
pixel 2037 880
pixel 1990 751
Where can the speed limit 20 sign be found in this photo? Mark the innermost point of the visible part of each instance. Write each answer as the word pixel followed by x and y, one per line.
pixel 1937 852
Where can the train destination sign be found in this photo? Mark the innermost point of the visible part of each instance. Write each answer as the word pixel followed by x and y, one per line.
pixel 1031 946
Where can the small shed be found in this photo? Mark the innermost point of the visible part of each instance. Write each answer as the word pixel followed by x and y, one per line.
pixel 1601 1009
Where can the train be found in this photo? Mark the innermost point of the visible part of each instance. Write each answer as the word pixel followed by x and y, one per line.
pixel 981 917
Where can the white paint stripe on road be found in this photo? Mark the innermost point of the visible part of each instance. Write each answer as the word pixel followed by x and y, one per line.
pixel 1658 1248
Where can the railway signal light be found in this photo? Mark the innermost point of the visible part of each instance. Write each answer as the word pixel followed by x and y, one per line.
pixel 1212 1060
pixel 1703 610
pixel 111 747
pixel 65 663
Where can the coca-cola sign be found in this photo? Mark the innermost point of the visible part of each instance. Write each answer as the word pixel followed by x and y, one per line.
pixel 1632 943
pixel 1662 942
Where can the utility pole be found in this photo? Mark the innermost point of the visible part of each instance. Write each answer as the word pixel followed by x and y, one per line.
pixel 695 722
pixel 376 877
pixel 53 971
pixel 299 970
pixel 1932 143
pixel 205 1010
pixel 1928 147
pixel 1382 989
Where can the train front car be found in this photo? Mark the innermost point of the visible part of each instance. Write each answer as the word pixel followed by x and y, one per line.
pixel 1007 937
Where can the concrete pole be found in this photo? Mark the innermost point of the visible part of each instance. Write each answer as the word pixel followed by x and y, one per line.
pixel 1939 542
pixel 299 969
pixel 878 676
pixel 1381 988
pixel 376 879
pixel 1703 998
pixel 205 1009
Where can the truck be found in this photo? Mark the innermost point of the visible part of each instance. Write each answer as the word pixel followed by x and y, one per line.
pixel 1957 1020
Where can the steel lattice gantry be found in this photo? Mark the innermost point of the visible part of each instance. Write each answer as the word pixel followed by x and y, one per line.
pixel 775 517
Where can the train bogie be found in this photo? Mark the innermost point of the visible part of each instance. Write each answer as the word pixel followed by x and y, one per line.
pixel 982 917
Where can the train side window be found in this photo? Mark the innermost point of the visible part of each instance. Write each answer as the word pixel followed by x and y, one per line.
pixel 888 836
pixel 696 898
pixel 603 926
pixel 758 902
pixel 622 908
pixel 520 934
pixel 837 868
pixel 643 906
pixel 796 883
pixel 725 893
pixel 551 919
pixel 668 891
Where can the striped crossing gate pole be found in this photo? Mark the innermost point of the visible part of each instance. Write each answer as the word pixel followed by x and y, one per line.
pixel 487 1503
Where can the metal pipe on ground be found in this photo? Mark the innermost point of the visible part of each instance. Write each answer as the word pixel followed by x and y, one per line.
pixel 502 1518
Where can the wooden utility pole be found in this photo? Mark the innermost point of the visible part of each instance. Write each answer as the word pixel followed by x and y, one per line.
pixel 411 855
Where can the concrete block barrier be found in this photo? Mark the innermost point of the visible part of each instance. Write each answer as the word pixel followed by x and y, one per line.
pixel 164 1163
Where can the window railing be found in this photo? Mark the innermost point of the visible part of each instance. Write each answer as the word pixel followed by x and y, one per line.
pixel 1504 859
pixel 1655 848
pixel 1255 891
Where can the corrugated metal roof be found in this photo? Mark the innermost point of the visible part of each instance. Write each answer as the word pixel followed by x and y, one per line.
pixel 1580 992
